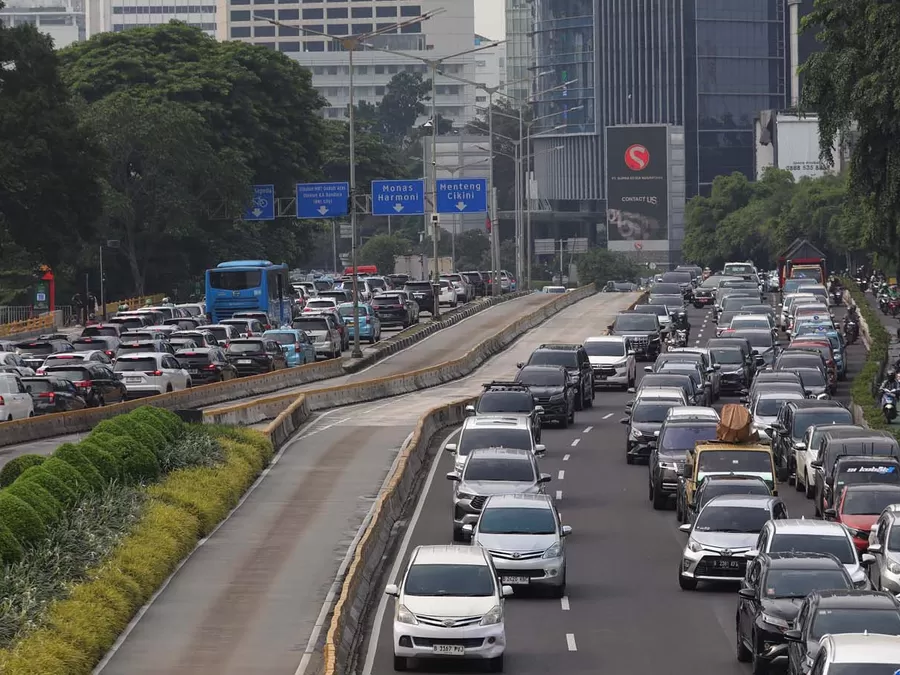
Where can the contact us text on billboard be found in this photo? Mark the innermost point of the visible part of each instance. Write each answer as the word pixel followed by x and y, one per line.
pixel 637 185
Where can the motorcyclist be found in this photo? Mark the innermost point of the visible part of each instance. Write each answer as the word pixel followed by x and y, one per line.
pixel 680 322
pixel 892 382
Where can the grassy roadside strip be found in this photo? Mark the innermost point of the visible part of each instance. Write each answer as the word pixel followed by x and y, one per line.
pixel 76 630
pixel 862 390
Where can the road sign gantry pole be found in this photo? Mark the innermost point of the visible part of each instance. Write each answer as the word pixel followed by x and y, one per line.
pixel 351 44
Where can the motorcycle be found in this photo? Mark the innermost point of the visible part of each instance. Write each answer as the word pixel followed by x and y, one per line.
pixel 893 306
pixel 851 331
pixel 837 296
pixel 681 337
pixel 863 283
pixel 888 405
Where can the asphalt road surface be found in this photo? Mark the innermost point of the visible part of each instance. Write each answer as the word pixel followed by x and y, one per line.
pixel 248 599
pixel 447 344
pixel 624 613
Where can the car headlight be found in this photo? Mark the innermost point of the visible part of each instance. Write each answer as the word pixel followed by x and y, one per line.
pixel 634 435
pixel 464 495
pixel 862 584
pixel 670 466
pixel 893 568
pixel 493 616
pixel 556 398
pixel 694 547
pixel 554 551
pixel 774 620
pixel 405 616
pixel 621 364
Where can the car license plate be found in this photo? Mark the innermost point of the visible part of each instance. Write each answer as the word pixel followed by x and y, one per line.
pixel 516 581
pixel 449 650
pixel 727 564
pixel 601 377
pixel 244 362
pixel 194 371
pixel 133 380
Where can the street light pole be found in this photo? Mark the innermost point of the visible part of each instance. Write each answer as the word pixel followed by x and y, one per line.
pixel 435 225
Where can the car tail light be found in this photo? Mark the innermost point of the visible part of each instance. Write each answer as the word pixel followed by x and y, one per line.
pixel 83 384
pixel 40 371
pixel 212 366
pixel 297 346
pixel 109 353
pixel 2 402
pixel 48 395
pixel 154 373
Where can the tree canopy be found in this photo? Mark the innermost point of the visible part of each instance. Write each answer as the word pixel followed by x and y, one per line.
pixel 855 81
pixel 741 220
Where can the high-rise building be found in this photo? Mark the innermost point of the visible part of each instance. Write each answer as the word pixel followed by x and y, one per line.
pixel 118 15
pixel 449 33
pixel 519 54
pixel 62 20
pixel 490 66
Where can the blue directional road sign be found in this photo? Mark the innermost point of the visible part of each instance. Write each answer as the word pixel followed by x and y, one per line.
pixel 322 200
pixel 398 197
pixel 263 205
pixel 462 195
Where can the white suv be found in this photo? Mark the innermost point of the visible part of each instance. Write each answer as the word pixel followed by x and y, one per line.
pixel 449 605
pixel 151 373
pixel 15 401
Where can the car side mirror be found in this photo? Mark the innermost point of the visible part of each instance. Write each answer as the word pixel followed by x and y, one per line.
pixel 747 593
pixel 744 400
pixel 453 476
pixel 867 559
pixel 610 327
pixel 631 352
pixel 799 445
pixel 391 589
pixel 506 591
pixel 631 390
pixel 816 464
pixel 830 514
pixel 540 450
pixel 823 397
pixel 565 531
pixel 718 366
pixel 744 392
pixel 470 410
pixel 648 369
pixel 793 635
pixel 450 447
pixel 751 554
pixel 875 548
pixel 685 528
pixel 545 478
pixel 468 528
pixel 520 365
pixel 624 420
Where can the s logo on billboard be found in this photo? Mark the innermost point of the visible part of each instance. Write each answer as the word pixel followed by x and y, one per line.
pixel 637 157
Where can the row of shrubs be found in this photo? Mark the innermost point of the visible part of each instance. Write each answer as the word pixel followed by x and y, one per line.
pixel 863 390
pixel 184 498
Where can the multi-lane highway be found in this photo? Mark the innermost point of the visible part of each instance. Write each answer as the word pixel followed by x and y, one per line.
pixel 624 613
pixel 248 600
pixel 447 344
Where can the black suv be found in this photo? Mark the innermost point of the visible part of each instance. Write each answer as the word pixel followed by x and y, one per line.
pixel 575 360
pixel 667 455
pixel 96 383
pixel 794 418
pixel 509 399
pixel 477 281
pixel 206 364
pixel 643 332
pixel 35 352
pixel 423 292
pixel 254 356
pixel 552 390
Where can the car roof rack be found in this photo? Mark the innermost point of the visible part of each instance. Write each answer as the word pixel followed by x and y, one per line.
pixel 559 345
pixel 504 384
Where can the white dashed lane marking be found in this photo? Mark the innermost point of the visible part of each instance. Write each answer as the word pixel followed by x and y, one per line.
pixel 562 475
pixel 566 458
pixel 559 494
pixel 576 442
pixel 570 641
pixel 587 429
pixel 564 601
pixel 607 416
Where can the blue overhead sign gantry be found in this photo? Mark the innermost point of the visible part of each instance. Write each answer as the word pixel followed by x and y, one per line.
pixel 462 195
pixel 322 200
pixel 263 205
pixel 398 197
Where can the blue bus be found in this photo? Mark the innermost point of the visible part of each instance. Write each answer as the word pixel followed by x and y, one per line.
pixel 249 286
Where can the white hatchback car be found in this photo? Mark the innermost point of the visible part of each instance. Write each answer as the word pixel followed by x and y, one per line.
pixel 15 401
pixel 449 605
pixel 151 373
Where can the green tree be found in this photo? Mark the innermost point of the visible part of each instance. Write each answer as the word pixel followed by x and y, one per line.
pixel 854 80
pixel 506 133
pixel 49 167
pixel 402 104
pixel 380 251
pixel 161 170
pixel 471 248
pixel 704 214
pixel 375 159
pixel 600 265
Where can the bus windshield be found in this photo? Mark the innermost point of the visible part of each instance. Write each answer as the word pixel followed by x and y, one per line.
pixel 234 280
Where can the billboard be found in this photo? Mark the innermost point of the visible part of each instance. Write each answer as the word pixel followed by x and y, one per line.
pixel 797 146
pixel 637 184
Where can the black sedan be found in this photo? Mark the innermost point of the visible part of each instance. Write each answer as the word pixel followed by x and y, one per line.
pixel 206 364
pixel 253 356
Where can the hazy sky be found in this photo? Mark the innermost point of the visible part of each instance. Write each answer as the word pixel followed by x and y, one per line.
pixel 489 20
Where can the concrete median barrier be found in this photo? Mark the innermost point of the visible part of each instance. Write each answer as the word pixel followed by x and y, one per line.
pixel 60 424
pixel 362 583
pixel 257 411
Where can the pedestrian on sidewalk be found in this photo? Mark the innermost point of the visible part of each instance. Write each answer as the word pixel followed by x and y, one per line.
pixel 78 304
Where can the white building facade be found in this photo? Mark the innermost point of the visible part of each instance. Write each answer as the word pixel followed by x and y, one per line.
pixel 62 20
pixel 117 15
pixel 447 34
pixel 490 66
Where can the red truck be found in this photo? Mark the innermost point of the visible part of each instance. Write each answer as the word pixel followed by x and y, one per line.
pixel 802 260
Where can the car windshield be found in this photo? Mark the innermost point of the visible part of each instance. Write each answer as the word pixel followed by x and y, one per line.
pixel 681 368
pixel 541 377
pixel 95 331
pixel 759 340
pixel 838 546
pixel 494 438
pixel 728 356
pixel 37 348
pixel 505 402
pixel 684 437
pixel 507 520
pixel 803 420
pixel 605 348
pixel 650 413
pixel 714 518
pixel 38 386
pixel 136 349
pixel 852 620
pixel 735 461
pixel 387 300
pixel 769 407
pixel 254 347
pixel 123 365
pixel 812 377
pixel 744 487
pixel 95 343
pixel 869 473
pixel 749 322
pixel 659 310
pixel 868 502
pixel 796 583
pixel 221 334
pixel 498 469
pixel 636 322
pixel 737 269
pixel 666 288
pixel 554 357
pixel 470 581
pixel 346 311
pixel 72 374
pixel 310 324
pixel 282 338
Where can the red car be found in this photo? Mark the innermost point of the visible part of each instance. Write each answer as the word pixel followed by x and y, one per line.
pixel 859 507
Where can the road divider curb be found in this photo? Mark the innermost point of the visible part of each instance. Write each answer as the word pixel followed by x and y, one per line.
pixel 62 424
pixel 364 574
pixel 254 412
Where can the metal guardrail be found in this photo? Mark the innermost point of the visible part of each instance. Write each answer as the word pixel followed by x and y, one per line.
pixel 17 327
pixel 134 303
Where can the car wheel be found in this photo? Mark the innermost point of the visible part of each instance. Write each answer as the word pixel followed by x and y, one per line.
pixel 743 654
pixel 169 389
pixel 810 489
pixel 399 663
pixel 797 484
pixel 9 419
pixel 31 413
pixel 759 666
pixel 686 583
pixel 660 499
pixel 495 665
pixel 564 422
pixel 679 509
pixel 572 416
pixel 579 401
pixel 458 535
pixel 629 458
pixel 589 403
pixel 189 384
